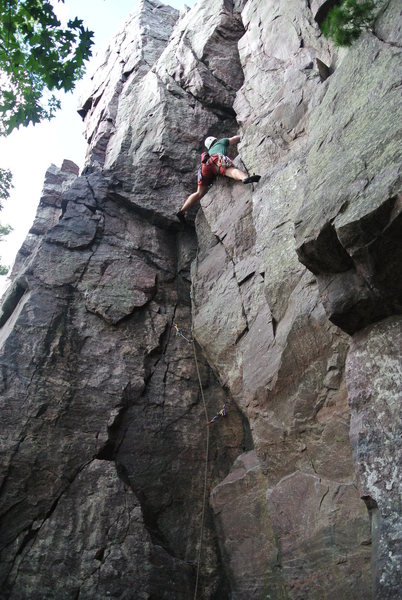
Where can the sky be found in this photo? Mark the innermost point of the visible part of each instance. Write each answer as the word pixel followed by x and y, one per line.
pixel 28 152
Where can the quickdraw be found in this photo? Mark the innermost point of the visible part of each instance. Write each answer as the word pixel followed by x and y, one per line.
pixel 221 413
pixel 179 333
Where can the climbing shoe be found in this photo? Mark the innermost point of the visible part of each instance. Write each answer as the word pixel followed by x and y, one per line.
pixel 252 179
pixel 181 217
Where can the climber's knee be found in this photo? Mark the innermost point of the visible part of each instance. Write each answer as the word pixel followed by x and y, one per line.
pixel 202 190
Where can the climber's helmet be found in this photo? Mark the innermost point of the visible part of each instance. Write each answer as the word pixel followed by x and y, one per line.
pixel 210 141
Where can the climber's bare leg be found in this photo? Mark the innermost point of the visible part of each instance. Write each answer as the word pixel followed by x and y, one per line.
pixel 193 198
pixel 236 174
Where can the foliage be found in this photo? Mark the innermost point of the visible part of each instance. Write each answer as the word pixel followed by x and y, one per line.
pixel 345 21
pixel 37 56
pixel 6 184
pixel 4 230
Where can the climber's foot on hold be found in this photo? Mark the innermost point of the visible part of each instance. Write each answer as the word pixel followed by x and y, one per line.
pixel 181 217
pixel 252 179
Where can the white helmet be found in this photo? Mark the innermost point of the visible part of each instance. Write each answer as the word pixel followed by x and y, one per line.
pixel 209 142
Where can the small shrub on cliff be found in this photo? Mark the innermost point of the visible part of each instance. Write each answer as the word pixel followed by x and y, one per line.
pixel 346 21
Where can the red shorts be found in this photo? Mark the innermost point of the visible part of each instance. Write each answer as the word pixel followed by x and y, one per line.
pixel 209 172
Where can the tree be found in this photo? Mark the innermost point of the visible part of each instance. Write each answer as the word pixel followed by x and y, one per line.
pixel 4 230
pixel 345 21
pixel 5 186
pixel 6 183
pixel 37 56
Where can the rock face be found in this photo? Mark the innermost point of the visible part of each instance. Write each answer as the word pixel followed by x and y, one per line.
pixel 350 225
pixel 374 388
pixel 103 433
pixel 103 428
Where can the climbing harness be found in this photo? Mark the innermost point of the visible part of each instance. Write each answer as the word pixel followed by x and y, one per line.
pixel 221 413
pixel 211 165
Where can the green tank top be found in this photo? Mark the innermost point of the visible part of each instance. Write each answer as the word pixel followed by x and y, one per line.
pixel 220 147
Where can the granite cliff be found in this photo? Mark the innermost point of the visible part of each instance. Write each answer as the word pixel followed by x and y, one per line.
pixel 291 291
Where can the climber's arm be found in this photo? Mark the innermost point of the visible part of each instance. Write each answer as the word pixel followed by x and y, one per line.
pixel 234 140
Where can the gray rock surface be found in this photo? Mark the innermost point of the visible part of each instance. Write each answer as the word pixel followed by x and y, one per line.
pixel 57 182
pixel 374 377
pixel 245 531
pixel 128 59
pixel 107 393
pixel 93 544
pixel 186 94
pixel 258 316
pixel 348 229
pixel 103 433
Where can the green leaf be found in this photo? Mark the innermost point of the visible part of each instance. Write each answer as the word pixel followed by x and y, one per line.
pixel 6 183
pixel 36 55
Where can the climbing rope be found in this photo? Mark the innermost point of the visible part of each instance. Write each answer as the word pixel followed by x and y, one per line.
pixel 221 413
pixel 205 475
pixel 179 333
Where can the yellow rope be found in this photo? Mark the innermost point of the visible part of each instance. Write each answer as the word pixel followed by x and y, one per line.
pixel 205 475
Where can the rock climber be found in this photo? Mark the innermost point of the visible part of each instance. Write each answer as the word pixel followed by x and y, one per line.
pixel 215 162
